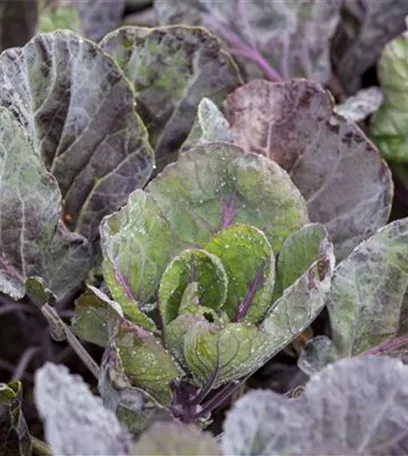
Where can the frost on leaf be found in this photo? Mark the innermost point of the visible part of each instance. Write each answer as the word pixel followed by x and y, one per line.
pixel 171 69
pixel 75 421
pixel 32 239
pixel 78 108
pixel 354 407
pixel 338 170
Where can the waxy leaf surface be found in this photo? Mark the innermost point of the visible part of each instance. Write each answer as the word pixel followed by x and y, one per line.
pixel 33 241
pixel 354 407
pixel 171 69
pixel 75 421
pixel 250 265
pixel 368 303
pixel 338 170
pixel 292 37
pixel 78 108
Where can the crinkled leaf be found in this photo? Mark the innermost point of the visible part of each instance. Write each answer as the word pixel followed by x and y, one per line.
pixel 367 303
pixel 214 186
pixel 232 351
pixel 299 251
pixel 337 169
pixel 15 438
pixel 58 15
pixel 94 314
pixel 389 125
pixel 364 103
pixel 198 266
pixel 134 408
pixel 168 439
pixel 146 363
pixel 172 69
pixel 75 421
pixel 318 353
pixel 137 245
pixel 210 125
pixel 301 302
pixel 250 265
pixel 292 36
pixel 79 110
pixel 354 407
pixel 365 28
pixel 33 241
pixel 17 22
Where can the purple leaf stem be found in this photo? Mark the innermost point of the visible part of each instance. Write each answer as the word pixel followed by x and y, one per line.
pixel 387 346
pixel 244 305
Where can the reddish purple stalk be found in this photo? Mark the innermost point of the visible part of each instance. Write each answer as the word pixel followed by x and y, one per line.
pixel 387 346
pixel 244 306
pixel 228 210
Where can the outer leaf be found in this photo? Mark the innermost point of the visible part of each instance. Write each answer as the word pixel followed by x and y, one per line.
pixel 231 352
pixel 293 37
pixel 17 22
pixel 137 245
pixel 32 240
pixel 250 265
pixel 367 304
pixel 301 302
pixel 79 109
pixel 389 126
pixel 192 266
pixel 366 27
pixel 210 125
pixel 168 439
pixel 212 187
pixel 355 407
pixel 338 171
pixel 75 421
pixel 94 314
pixel 172 69
pixel 146 363
pixel 300 249
pixel 364 103
pixel 15 439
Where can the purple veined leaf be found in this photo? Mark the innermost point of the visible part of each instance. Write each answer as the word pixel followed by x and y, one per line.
pixel 365 28
pixel 339 172
pixel 78 107
pixel 353 407
pixel 33 241
pixel 75 421
pixel 172 69
pixel 281 39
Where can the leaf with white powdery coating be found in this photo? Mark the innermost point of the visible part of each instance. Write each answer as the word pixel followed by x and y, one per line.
pixel 292 37
pixel 32 239
pixel 75 421
pixel 172 69
pixel 168 439
pixel 354 407
pixel 210 125
pixel 347 186
pixel 368 302
pixel 78 107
